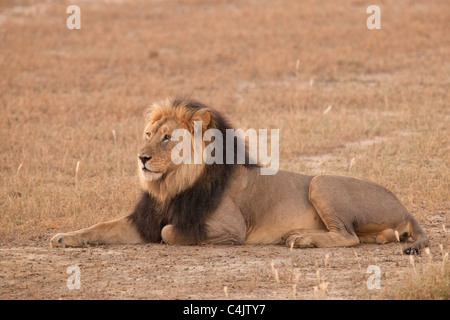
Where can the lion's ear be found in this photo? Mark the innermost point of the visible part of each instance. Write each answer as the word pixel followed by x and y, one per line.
pixel 204 116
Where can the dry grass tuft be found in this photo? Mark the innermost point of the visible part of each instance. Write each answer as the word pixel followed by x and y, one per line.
pixel 431 282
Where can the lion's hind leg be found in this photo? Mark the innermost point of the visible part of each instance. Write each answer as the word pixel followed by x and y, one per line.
pixel 379 237
pixel 319 238
pixel 339 233
pixel 357 208
pixel 337 217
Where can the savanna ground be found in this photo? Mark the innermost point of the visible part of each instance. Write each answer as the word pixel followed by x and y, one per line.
pixel 347 100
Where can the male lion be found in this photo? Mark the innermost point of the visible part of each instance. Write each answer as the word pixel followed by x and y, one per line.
pixel 190 204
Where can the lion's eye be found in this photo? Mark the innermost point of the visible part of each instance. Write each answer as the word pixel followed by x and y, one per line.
pixel 166 137
pixel 147 135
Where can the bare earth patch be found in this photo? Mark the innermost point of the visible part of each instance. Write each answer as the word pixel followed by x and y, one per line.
pixel 157 271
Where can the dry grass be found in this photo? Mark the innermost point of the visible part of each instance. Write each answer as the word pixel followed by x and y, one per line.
pixel 74 99
pixel 426 281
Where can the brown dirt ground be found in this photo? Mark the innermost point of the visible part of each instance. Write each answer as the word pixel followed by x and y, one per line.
pixel 156 271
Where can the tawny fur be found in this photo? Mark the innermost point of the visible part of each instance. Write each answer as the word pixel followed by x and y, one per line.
pixel 248 208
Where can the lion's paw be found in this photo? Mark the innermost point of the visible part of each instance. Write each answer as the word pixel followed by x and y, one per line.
pixel 66 240
pixel 167 234
pixel 298 241
pixel 411 251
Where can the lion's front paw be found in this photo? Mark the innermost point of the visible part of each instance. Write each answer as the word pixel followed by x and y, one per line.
pixel 171 236
pixel 66 240
pixel 167 234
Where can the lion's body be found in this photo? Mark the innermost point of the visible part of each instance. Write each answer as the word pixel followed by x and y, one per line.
pixel 229 203
pixel 274 205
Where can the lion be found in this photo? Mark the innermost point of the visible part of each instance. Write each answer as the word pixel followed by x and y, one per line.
pixel 193 204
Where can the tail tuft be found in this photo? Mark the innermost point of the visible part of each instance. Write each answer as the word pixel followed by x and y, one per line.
pixel 421 239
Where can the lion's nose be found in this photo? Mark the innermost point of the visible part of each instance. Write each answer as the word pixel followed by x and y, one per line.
pixel 144 158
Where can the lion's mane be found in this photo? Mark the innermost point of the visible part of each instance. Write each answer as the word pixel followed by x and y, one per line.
pixel 187 209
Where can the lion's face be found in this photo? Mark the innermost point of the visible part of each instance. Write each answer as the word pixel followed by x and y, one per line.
pixel 155 154
pixel 159 174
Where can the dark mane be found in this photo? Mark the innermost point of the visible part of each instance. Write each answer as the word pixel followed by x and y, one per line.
pixel 188 210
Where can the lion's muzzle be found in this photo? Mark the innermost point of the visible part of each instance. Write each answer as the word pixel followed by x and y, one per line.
pixel 144 158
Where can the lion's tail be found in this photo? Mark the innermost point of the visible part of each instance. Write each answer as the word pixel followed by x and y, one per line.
pixel 417 233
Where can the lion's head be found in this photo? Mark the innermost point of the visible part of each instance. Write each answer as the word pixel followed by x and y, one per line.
pixel 158 174
pixel 161 122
